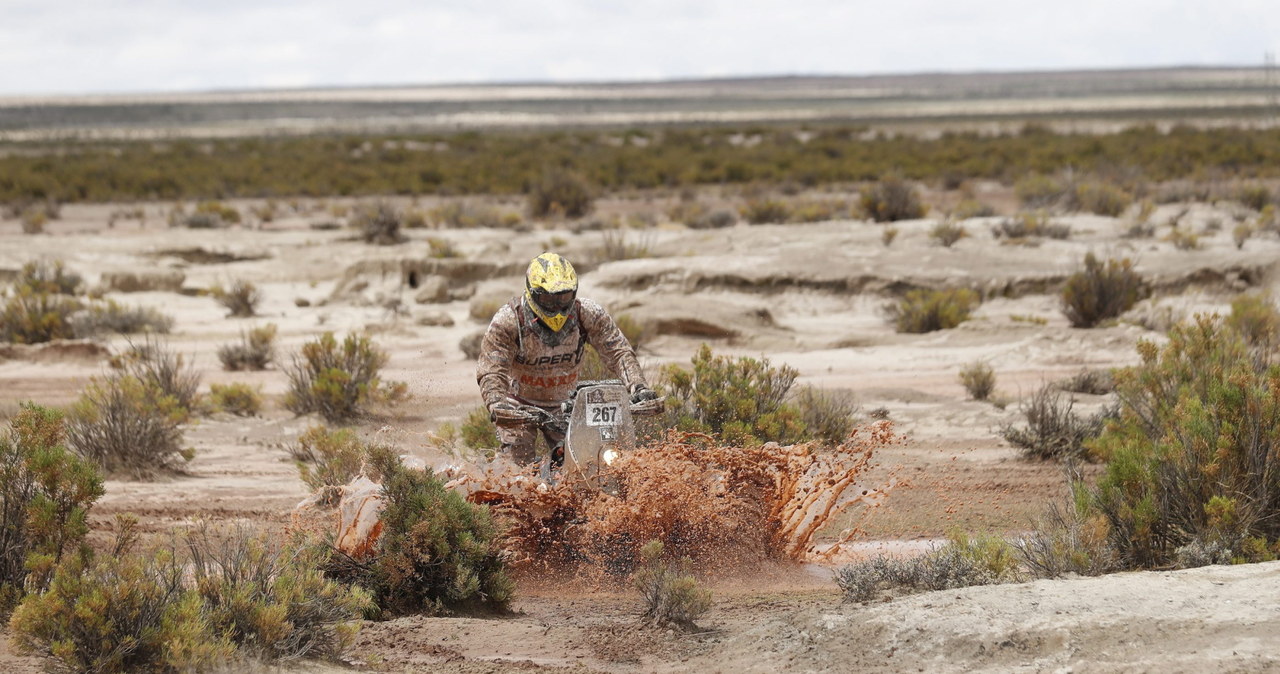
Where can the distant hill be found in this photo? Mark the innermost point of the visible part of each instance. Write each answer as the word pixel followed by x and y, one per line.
pixel 1212 96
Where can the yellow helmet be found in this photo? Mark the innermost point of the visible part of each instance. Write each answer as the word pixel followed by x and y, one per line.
pixel 550 287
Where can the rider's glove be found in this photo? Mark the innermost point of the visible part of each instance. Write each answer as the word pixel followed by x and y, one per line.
pixel 642 393
pixel 505 405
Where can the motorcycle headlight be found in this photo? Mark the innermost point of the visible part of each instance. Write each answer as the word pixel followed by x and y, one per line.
pixel 608 456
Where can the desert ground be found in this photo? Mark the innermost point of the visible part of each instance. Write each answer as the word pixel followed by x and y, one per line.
pixel 806 295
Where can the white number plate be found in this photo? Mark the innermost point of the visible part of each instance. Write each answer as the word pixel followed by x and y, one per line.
pixel 603 414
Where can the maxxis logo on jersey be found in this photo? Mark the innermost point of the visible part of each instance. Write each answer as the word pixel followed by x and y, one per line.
pixel 549 382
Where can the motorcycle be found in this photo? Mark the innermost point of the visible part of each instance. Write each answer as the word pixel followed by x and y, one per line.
pixel 598 426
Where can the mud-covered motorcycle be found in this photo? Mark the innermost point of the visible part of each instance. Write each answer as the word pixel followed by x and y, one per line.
pixel 598 424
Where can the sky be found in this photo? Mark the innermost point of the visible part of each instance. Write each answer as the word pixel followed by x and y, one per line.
pixel 129 46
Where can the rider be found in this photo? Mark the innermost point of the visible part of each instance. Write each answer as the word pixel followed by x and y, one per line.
pixel 532 351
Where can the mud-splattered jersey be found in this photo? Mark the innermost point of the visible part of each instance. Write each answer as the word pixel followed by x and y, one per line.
pixel 522 358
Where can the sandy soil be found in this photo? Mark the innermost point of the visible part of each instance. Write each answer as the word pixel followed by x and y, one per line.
pixel 806 295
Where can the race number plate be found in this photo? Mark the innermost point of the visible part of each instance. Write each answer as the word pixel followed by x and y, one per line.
pixel 603 414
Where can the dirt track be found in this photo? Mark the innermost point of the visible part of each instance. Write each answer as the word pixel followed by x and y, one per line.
pixel 955 469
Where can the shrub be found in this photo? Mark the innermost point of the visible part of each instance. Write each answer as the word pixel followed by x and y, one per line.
pixel 946 233
pixel 716 219
pixel 978 379
pixel 241 299
pixel 887 235
pixel 468 215
pixel 441 249
pixel 1191 456
pixel 827 415
pixel 379 223
pixel 961 562
pixel 617 244
pixel 200 603
pixel 1099 198
pixel 327 459
pixel 128 426
pixel 1028 224
pixel 1069 538
pixel 1091 382
pixel 120 615
pixel 929 310
pixel 339 381
pixel 560 193
pixel 671 595
pixel 1038 191
pixel 43 276
pixel 1255 318
pixel 119 319
pixel 743 399
pixel 766 211
pixel 132 282
pixel 891 199
pixel 479 431
pixel 1254 196
pixel 972 208
pixel 1241 233
pixel 1101 291
pixel 1054 430
pixel 202 221
pixel 45 496
pixel 153 364
pixel 436 551
pixel 223 212
pixel 239 399
pixel 255 351
pixel 272 600
pixel 1183 239
pixel 32 317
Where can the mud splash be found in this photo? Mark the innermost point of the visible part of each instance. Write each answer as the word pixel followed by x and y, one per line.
pixel 722 507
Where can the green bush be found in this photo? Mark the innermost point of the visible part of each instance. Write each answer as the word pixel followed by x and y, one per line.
pixel 1039 191
pixel 741 399
pixel 891 199
pixel 828 415
pixel 972 208
pixel 128 426
pixel 947 233
pixel 671 595
pixel 52 277
pixel 255 351
pixel 120 615
pixel 1193 456
pixel 1070 537
pixel 479 431
pixel 339 382
pixel 241 299
pixel 1029 224
pixel 111 317
pixel 766 212
pixel 1099 198
pixel 45 496
pixel 978 379
pixel 379 223
pixel 271 600
pixel 32 317
pixel 929 310
pixel 1054 430
pixel 1255 318
pixel 237 398
pixel 469 215
pixel 201 603
pixel 560 193
pixel 1255 196
pixel 961 562
pixel 153 364
pixel 224 213
pixel 328 459
pixel 436 552
pixel 1101 291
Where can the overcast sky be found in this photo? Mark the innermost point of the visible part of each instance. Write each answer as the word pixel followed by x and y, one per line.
pixel 92 46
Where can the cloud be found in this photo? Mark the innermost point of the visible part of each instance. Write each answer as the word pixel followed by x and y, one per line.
pixel 152 45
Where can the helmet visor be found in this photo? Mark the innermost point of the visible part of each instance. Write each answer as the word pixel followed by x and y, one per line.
pixel 554 303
